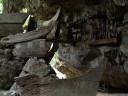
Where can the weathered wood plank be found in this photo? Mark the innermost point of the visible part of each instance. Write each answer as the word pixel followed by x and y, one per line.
pixel 116 79
pixel 13 18
pixel 103 41
pixel 61 41
pixel 10 29
pixel 22 37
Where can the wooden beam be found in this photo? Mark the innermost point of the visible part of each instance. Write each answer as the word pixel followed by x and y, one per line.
pixel 61 41
pixel 103 41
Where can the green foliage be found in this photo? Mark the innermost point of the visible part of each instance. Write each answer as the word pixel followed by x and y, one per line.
pixel 25 25
pixel 54 59
pixel 1 6
pixel 1 1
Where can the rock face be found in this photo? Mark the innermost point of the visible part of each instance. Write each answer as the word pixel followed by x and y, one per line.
pixel 74 60
pixel 117 74
pixel 67 70
pixel 6 54
pixel 10 6
pixel 78 55
pixel 9 70
pixel 121 2
pixel 124 44
pixel 73 54
pixel 37 67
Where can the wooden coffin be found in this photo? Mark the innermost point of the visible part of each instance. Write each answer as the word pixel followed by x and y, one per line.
pixel 35 48
pixel 12 23
pixel 22 37
pixel 115 79
pixel 85 85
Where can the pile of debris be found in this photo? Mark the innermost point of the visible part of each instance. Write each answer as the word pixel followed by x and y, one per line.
pixel 16 49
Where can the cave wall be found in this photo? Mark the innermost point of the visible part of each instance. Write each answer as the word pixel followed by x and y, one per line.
pixel 80 55
pixel 13 6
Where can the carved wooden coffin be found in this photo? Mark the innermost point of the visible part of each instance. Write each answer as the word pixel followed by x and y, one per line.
pixel 35 48
pixel 12 23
